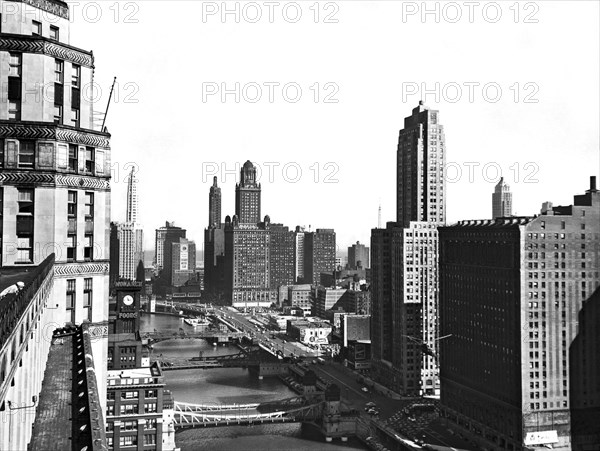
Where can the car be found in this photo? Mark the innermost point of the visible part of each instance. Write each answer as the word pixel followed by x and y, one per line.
pixel 364 389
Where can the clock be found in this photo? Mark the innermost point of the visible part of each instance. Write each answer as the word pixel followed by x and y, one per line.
pixel 128 300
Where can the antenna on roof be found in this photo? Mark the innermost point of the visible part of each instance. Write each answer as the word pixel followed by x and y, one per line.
pixel 108 104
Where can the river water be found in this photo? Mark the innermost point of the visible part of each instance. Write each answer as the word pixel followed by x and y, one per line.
pixel 231 386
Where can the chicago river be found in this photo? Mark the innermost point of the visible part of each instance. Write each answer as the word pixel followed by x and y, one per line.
pixel 230 386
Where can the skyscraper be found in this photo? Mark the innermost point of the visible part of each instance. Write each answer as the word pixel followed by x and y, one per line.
pixel 405 265
pixel 501 200
pixel 247 247
pixel 247 196
pixel 128 235
pixel 299 254
pixel 214 244
pixel 54 177
pixel 516 296
pixel 183 262
pixel 214 205
pixel 165 235
pixel 281 255
pixel 319 254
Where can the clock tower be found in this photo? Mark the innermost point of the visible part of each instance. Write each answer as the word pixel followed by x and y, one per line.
pixel 124 343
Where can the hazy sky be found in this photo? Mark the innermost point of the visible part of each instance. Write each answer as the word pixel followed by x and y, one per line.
pixel 516 87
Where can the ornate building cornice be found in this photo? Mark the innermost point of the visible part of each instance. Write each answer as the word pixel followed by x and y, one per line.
pixel 56 7
pixel 80 269
pixel 41 130
pixel 53 180
pixel 43 46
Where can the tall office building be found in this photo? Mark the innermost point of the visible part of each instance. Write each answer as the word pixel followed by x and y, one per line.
pixel 516 296
pixel 127 239
pixel 501 200
pixel 405 262
pixel 214 245
pixel 247 247
pixel 299 254
pixel 214 205
pixel 281 257
pixel 165 236
pixel 247 196
pixel 358 253
pixel 319 254
pixel 54 179
pixel 182 262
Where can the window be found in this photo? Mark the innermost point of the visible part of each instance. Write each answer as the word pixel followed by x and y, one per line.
pixel 129 409
pixel 150 423
pixel 59 66
pixel 25 226
pixel 151 393
pixel 72 204
pixel 150 407
pixel 87 292
pixel 88 249
pixel 73 157
pixel 89 205
pixel 149 439
pixel 36 28
pixel 129 440
pixel 75 94
pixel 54 33
pixel 89 159
pixel 129 395
pixel 70 294
pixel 71 247
pixel 14 87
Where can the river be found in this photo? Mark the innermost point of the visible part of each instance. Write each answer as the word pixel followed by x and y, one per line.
pixel 231 385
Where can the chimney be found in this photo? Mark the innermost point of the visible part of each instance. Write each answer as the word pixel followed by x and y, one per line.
pixel 593 184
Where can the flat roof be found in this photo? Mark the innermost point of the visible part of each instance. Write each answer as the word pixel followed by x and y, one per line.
pixel 13 274
pixel 53 427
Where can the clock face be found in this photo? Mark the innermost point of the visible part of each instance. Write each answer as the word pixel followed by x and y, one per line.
pixel 128 300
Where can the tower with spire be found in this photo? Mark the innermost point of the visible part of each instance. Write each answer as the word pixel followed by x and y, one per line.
pixel 501 200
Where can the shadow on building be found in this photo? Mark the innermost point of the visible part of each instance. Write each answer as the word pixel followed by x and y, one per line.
pixel 584 376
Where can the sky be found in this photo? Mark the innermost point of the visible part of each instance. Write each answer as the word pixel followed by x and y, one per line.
pixel 315 93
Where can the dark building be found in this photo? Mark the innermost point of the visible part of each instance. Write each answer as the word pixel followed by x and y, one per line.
pixel 214 246
pixel 113 270
pixel 319 254
pixel 358 254
pixel 183 262
pixel 282 256
pixel 511 297
pixel 164 236
pixel 247 196
pixel 214 205
pixel 124 343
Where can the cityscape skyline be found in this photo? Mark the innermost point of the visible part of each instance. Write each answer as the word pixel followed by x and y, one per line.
pixel 564 119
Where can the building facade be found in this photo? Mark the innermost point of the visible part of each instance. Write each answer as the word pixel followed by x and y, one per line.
pixel 358 253
pixel 164 236
pixel 299 254
pixel 247 196
pixel 54 161
pixel 405 262
pixel 501 200
pixel 183 262
pixel 281 256
pixel 319 254
pixel 513 292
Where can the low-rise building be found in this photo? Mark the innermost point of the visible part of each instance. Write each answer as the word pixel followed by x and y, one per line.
pixel 326 299
pixel 309 332
pixel 300 296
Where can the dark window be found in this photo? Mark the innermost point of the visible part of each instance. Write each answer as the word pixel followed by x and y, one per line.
pixel 26 154
pixel 70 294
pixel 88 249
pixel 89 159
pixel 36 28
pixel 54 33
pixel 73 157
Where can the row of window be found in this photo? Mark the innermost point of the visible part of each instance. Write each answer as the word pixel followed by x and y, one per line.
pixel 132 440
pixel 15 88
pixel 131 409
pixel 36 30
pixel 22 154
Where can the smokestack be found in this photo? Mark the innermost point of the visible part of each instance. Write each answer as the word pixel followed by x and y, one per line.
pixel 593 183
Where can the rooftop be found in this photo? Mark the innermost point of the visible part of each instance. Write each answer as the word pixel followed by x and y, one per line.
pixel 68 415
pixel 13 274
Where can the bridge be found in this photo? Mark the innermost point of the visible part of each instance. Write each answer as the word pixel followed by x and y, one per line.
pixel 285 411
pixel 216 335
pixel 241 359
